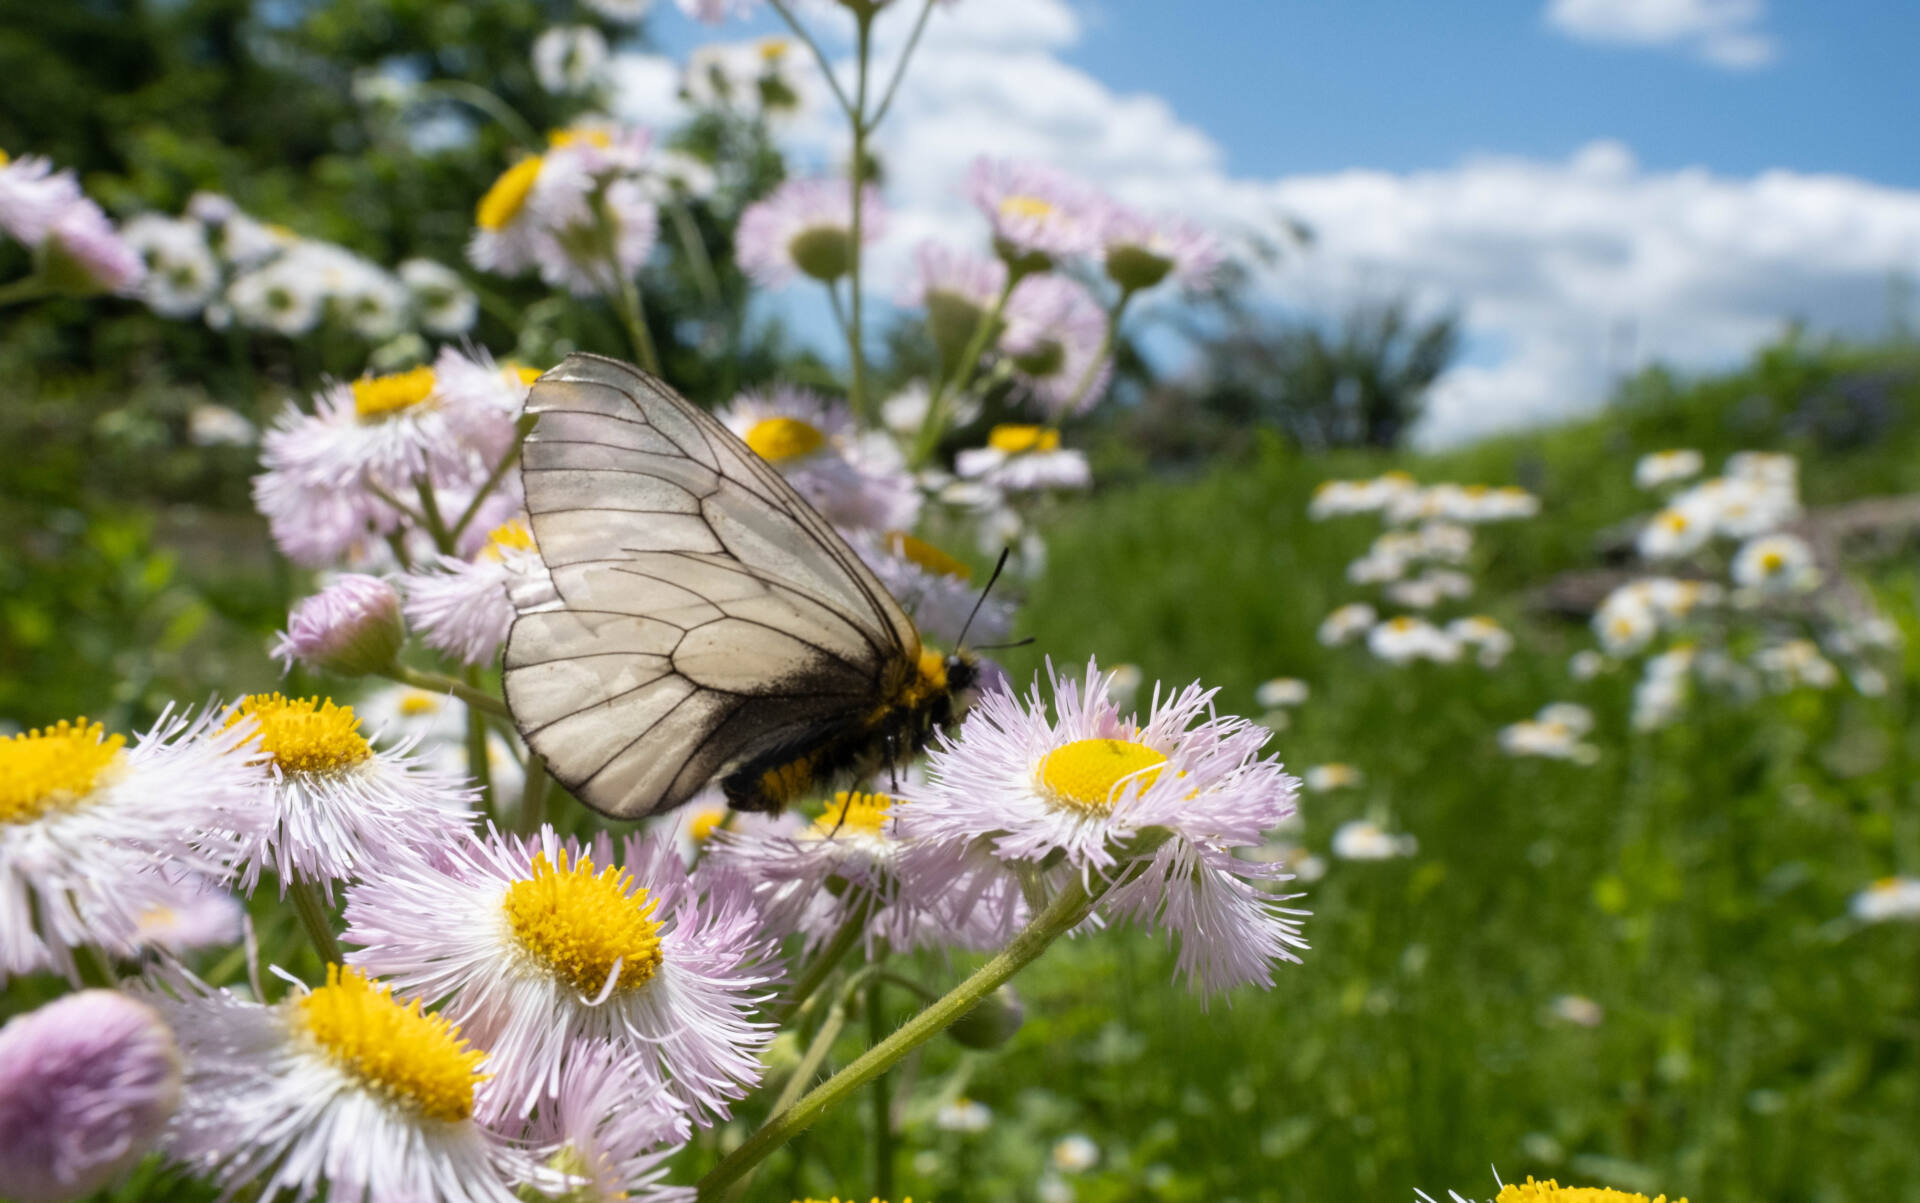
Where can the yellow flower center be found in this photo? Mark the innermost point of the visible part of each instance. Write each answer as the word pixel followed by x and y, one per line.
pixel 507 195
pixel 1675 521
pixel 5 158
pixel 772 50
pixel 777 439
pixel 863 814
pixel 395 1049
pixel 929 557
pixel 578 923
pixel 384 396
pixel 1015 439
pixel 700 828
pixel 1402 624
pixel 525 374
pixel 305 735
pixel 416 702
pixel 53 768
pixel 875 1199
pixel 1885 885
pixel 1772 561
pixel 508 536
pixel 1086 774
pixel 1025 206
pixel 1552 1192
pixel 561 138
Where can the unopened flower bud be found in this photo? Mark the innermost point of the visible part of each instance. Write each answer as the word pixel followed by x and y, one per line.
pixel 350 628
pixel 87 1082
pixel 992 1021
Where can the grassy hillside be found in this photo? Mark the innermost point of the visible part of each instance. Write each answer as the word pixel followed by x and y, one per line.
pixel 1756 1044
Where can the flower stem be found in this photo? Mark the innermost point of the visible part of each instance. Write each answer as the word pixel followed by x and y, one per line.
pixel 856 351
pixel 494 107
pixel 881 1096
pixel 430 510
pixel 634 314
pixel 900 68
pixel 478 765
pixel 316 917
pixel 933 425
pixel 440 683
pixel 26 288
pixel 1099 357
pixel 1061 915
pixel 819 55
pixel 799 1079
pixel 824 964
pixel 533 794
pixel 494 477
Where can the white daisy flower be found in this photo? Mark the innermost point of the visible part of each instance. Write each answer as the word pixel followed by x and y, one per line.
pixel 1362 839
pixel 1888 898
pixel 1552 734
pixel 1676 532
pixel 336 806
pixel 1776 564
pixel 1667 467
pixel 440 296
pixel 1404 639
pixel 1625 623
pixel 1075 1154
pixel 1586 664
pixel 1491 640
pixel 537 945
pixel 568 59
pixel 1324 778
pixel 963 1115
pixel 1577 1009
pixel 1794 664
pixel 1080 786
pixel 278 297
pixel 937 590
pixel 94 833
pixel 1281 692
pixel 1347 623
pixel 1024 459
pixel 344 1092
pixel 182 274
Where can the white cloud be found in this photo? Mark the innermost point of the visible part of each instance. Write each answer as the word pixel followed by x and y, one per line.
pixel 1564 271
pixel 1725 33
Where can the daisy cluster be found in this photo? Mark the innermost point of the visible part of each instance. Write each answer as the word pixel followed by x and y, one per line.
pixel 1419 563
pixel 1750 615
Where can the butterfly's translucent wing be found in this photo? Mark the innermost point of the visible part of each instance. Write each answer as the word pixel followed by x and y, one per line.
pixel 707 613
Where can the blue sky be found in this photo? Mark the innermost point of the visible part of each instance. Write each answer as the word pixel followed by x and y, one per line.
pixel 1296 86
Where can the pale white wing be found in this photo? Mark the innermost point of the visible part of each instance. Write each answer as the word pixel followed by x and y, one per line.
pixel 707 613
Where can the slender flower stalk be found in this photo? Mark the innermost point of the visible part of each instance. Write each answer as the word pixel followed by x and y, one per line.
pixel 1067 910
pixel 439 683
pixel 933 426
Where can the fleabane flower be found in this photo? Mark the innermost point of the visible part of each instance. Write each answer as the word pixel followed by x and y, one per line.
pixel 812 442
pixel 352 628
pixel 1055 338
pixel 1346 623
pixel 609 1130
pixel 536 945
pixel 32 196
pixel 1675 532
pixel 1667 467
pixel 806 227
pixel 441 298
pixel 1776 564
pixel 94 831
pixel 1060 775
pixel 1141 251
pixel 1404 639
pixel 1324 778
pixel 83 254
pixel 1363 839
pixel 937 590
pixel 182 273
pixel 336 807
pixel 465 607
pixel 1037 213
pixel 1887 899
pixel 1020 458
pixel 1280 692
pixel 958 290
pixel 1551 1191
pixel 344 1091
pixel 1554 734
pixel 87 1083
pixel 568 59
pixel 1491 641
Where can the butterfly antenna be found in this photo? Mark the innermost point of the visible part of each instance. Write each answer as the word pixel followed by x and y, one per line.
pixel 1001 647
pixel 999 566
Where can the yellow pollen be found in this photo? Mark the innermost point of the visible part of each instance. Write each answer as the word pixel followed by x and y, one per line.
pixel 1885 884
pixel 1015 439
pixel 1552 1192
pixel 1087 774
pixel 416 702
pixel 509 536
pixel 573 137
pixel 864 814
pixel 54 767
pixel 1025 206
pixel 416 1060
pixel 577 923
pixel 305 735
pixel 777 439
pixel 525 374
pixel 385 396
pixel 507 195
pixel 1403 624
pixel 925 554
pixel 700 828
pixel 772 50
pixel 1675 521
pixel 1476 490
pixel 5 158
pixel 1772 562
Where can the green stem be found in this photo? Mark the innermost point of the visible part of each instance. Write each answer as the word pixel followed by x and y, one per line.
pixel 430 511
pixel 819 55
pixel 900 68
pixel 317 918
pixel 696 249
pixel 799 1079
pixel 881 1097
pixel 440 683
pixel 494 107
pixel 96 968
pixel 856 351
pixel 932 426
pixel 634 315
pixel 1062 915
pixel 398 542
pixel 533 795
pixel 494 477
pixel 824 964
pixel 1107 340
pixel 26 288
pixel 479 767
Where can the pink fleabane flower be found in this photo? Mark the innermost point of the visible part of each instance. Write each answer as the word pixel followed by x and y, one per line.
pixel 1141 251
pixel 1083 785
pixel 805 227
pixel 1055 336
pixel 352 628
pixel 539 945
pixel 1038 214
pixel 83 255
pixel 465 607
pixel 609 1129
pixel 32 196
pixel 87 1083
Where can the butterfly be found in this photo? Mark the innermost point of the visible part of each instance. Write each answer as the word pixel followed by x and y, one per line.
pixel 710 622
